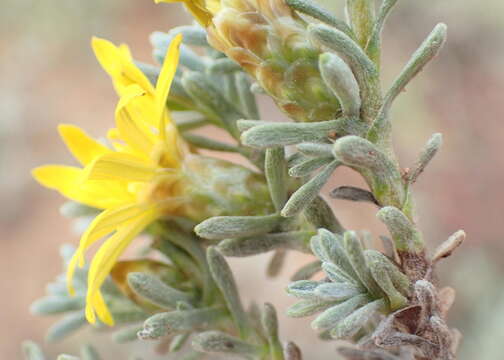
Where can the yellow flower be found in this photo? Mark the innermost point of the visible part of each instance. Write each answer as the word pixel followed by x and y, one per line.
pixel 202 10
pixel 118 63
pixel 136 182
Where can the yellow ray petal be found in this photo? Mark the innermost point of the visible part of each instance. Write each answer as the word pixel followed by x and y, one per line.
pixel 107 193
pixel 120 166
pixel 108 253
pixel 57 177
pixel 107 256
pixel 125 51
pixel 131 129
pixel 114 138
pixel 90 312
pixel 118 64
pixel 131 92
pixel 70 274
pixel 69 181
pixel 213 6
pixel 169 153
pixel 83 147
pixel 165 80
pixel 143 110
pixel 105 223
pixel 98 304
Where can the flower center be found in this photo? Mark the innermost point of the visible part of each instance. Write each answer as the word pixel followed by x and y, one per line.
pixel 164 190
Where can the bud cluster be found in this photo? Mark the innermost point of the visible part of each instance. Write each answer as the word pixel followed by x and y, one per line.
pixel 270 40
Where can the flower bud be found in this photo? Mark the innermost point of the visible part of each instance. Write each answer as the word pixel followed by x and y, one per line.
pixel 270 41
pixel 219 188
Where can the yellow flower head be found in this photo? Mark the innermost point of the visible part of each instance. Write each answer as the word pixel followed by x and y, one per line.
pixel 202 10
pixel 135 182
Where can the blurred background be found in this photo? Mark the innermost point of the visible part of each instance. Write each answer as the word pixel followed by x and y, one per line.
pixel 49 76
